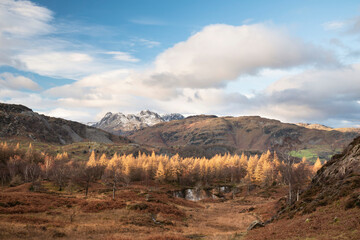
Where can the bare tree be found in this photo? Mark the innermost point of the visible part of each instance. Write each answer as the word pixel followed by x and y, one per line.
pixel 4 174
pixel 288 145
pixel 32 172
pixel 59 173
pixel 113 176
pixel 88 176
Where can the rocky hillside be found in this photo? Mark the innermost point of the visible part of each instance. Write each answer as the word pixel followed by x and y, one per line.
pixel 250 133
pixel 17 121
pixel 121 124
pixel 328 209
pixel 338 178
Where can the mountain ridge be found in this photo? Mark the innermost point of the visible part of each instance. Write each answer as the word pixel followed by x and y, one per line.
pixel 18 121
pixel 124 124
pixel 327 128
pixel 252 133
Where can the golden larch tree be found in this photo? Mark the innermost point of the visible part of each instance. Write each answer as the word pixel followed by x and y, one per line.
pixel 317 165
pixel 160 173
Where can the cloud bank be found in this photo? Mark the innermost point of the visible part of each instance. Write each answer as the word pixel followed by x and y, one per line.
pixel 221 53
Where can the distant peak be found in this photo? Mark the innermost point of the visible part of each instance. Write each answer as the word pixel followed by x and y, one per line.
pixel 120 122
pixel 108 114
pixel 315 126
pixel 203 116
pixel 147 112
pixel 172 116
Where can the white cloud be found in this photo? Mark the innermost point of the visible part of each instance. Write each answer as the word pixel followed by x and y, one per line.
pixel 148 43
pixel 347 26
pixel 334 25
pixel 221 53
pixel 20 21
pixel 59 64
pixel 23 18
pixel 67 114
pixel 16 82
pixel 30 41
pixel 313 95
pixel 122 56
pixel 147 21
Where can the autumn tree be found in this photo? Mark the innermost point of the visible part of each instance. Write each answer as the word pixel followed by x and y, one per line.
pixel 317 165
pixel 59 172
pixel 253 161
pixel 243 166
pixel 113 174
pixel 160 173
pixel 90 171
pixel 301 177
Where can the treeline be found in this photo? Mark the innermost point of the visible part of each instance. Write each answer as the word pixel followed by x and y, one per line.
pixel 120 170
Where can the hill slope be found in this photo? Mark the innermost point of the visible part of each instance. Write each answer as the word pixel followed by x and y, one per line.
pixel 17 121
pixel 242 133
pixel 328 209
pixel 338 178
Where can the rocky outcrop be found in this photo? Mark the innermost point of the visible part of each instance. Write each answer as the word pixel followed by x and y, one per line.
pixel 17 121
pixel 338 178
pixel 341 167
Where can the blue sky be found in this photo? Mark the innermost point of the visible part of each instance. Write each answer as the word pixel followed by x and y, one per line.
pixel 296 61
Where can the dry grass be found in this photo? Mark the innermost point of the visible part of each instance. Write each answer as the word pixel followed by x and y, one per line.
pixel 141 212
pixel 328 222
pixel 138 212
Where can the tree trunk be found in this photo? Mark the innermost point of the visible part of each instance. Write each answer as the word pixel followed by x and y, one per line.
pixel 86 189
pixel 114 187
pixel 290 193
pixel 298 195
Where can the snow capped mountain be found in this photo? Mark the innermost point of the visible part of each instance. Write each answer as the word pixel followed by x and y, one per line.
pixel 172 116
pixel 122 124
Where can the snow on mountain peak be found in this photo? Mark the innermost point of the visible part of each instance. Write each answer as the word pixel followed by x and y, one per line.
pixel 120 123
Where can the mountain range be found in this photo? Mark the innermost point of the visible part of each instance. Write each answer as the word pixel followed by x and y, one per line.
pixel 122 124
pixel 201 135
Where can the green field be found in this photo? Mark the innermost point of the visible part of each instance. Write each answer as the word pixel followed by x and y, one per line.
pixel 322 151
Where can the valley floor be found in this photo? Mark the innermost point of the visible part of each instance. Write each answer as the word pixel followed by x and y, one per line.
pixel 152 213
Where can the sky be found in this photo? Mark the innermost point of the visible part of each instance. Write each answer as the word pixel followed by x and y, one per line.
pixel 296 61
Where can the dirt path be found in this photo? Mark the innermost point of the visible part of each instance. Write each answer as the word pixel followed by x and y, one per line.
pixel 226 220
